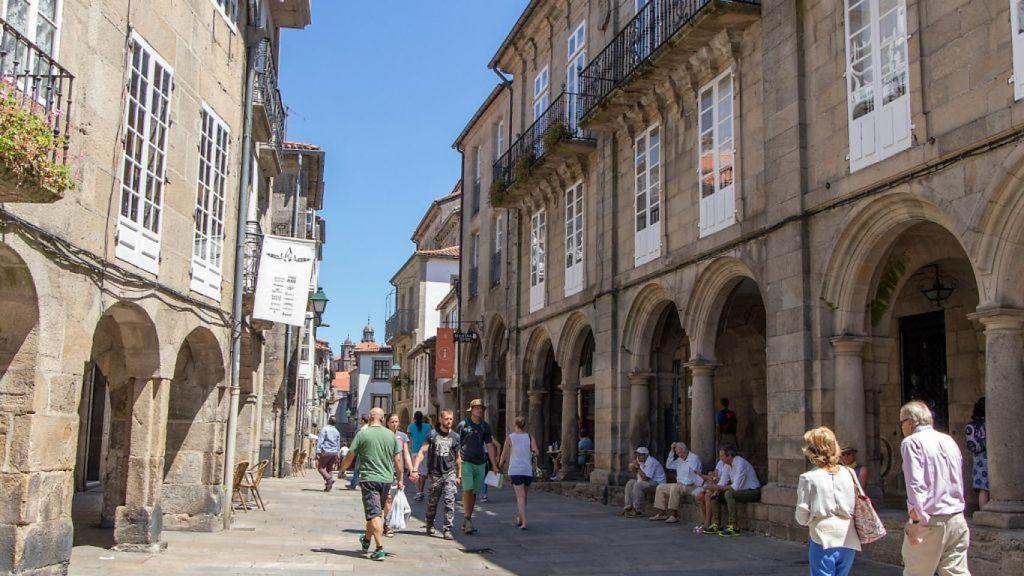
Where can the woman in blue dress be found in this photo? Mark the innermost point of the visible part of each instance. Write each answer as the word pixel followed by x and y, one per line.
pixel 974 432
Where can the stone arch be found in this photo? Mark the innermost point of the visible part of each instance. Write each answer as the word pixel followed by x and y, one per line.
pixel 496 389
pixel 195 436
pixel 496 342
pixel 543 380
pixel 995 237
pixel 709 296
pixel 19 334
pixel 404 419
pixel 576 352
pixel 125 356
pixel 867 236
pixel 638 330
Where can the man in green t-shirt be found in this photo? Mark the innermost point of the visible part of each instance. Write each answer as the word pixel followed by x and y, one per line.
pixel 380 466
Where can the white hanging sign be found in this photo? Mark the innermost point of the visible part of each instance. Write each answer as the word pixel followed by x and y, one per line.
pixel 282 284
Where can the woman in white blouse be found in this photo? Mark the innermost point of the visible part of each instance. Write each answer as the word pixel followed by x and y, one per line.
pixel 825 502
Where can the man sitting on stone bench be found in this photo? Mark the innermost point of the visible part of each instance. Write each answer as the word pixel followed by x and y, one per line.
pixel 649 474
pixel 738 483
pixel 667 496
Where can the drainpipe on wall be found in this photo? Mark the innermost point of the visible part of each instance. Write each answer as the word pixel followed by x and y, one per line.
pixel 283 427
pixel 244 183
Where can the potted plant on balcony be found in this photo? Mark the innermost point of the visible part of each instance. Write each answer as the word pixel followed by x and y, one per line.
pixel 521 171
pixel 499 192
pixel 29 170
pixel 555 133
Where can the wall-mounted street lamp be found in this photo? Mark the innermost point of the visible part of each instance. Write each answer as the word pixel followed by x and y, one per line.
pixel 319 301
pixel 941 289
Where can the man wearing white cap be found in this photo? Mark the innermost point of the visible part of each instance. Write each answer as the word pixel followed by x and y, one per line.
pixel 649 474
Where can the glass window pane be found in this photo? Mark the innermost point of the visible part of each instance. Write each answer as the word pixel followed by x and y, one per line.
pixel 859 15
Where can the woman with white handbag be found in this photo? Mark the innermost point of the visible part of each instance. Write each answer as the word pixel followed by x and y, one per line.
pixel 518 453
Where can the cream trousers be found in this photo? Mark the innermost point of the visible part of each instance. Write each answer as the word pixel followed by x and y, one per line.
pixel 667 496
pixel 635 493
pixel 943 550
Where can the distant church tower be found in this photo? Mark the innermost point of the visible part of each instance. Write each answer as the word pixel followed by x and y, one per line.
pixel 368 331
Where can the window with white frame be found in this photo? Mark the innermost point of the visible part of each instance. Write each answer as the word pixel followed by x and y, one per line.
pixel 717 155
pixel 541 92
pixel 574 239
pixel 143 166
pixel 647 164
pixel 499 233
pixel 211 184
pixel 499 139
pixel 228 8
pixel 878 84
pixel 1017 37
pixel 577 61
pixel 381 369
pixel 379 401
pixel 39 22
pixel 538 229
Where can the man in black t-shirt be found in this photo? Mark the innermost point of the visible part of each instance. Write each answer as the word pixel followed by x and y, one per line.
pixel 474 434
pixel 443 463
pixel 725 425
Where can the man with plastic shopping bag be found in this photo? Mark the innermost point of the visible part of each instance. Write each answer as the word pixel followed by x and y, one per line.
pixel 441 451
pixel 381 465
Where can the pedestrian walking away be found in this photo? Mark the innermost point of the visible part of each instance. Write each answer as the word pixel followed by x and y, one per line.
pixel 518 454
pixel 403 445
pixel 825 501
pixel 418 432
pixel 381 460
pixel 937 536
pixel 474 433
pixel 328 445
pixel 441 457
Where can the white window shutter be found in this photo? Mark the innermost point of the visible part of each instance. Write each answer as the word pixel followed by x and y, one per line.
pixel 647 201
pixel 716 158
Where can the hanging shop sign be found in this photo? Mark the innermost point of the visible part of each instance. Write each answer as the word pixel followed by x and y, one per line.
pixel 444 361
pixel 282 284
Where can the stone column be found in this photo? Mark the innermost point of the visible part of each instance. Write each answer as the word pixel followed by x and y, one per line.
pixel 702 411
pixel 1004 404
pixel 570 427
pixel 639 409
pixel 138 522
pixel 849 391
pixel 535 420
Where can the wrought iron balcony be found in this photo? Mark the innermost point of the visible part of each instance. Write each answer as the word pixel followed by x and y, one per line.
pixel 554 135
pixel 402 322
pixel 32 81
pixel 474 274
pixel 496 263
pixel 269 113
pixel 657 28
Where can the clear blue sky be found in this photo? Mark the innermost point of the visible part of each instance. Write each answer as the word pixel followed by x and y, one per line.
pixel 385 87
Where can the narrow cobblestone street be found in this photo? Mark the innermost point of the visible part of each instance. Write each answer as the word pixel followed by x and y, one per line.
pixel 307 532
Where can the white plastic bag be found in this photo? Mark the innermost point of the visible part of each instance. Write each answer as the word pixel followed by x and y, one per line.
pixel 400 511
pixel 494 480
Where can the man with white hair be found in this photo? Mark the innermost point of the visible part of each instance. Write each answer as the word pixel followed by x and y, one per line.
pixel 937 536
pixel 380 465
pixel 649 474
pixel 667 496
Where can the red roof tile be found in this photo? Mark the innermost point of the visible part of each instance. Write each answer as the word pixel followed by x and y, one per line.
pixel 341 382
pixel 446 252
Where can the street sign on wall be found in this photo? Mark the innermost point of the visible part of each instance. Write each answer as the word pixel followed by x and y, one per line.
pixel 282 283
pixel 466 337
pixel 444 363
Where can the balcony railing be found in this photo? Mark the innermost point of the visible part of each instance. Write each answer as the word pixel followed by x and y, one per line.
pixel 267 94
pixel 401 322
pixel 560 122
pixel 496 264
pixel 253 245
pixel 474 274
pixel 655 24
pixel 33 80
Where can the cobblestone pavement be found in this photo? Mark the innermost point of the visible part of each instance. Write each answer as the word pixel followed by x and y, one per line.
pixel 306 532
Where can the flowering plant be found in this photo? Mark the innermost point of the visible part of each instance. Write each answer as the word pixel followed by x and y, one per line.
pixel 29 148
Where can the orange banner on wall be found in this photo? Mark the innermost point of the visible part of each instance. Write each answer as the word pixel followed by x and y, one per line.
pixel 444 361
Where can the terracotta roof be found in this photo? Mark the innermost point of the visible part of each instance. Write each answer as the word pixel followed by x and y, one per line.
pixel 446 252
pixel 341 381
pixel 367 347
pixel 300 146
pixel 321 345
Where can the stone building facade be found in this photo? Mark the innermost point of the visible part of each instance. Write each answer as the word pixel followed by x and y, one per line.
pixel 809 208
pixel 419 287
pixel 117 295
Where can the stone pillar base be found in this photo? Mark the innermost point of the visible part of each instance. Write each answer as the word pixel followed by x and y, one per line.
pixel 601 477
pixel 570 473
pixel 138 528
pixel 141 548
pixel 1007 515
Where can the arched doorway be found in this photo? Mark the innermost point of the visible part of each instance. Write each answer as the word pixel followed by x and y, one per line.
pixel 196 416
pixel 728 325
pixel 577 395
pixel 544 380
pixel 124 360
pixel 496 379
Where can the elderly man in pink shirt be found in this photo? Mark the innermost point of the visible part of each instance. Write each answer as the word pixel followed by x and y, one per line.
pixel 937 536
